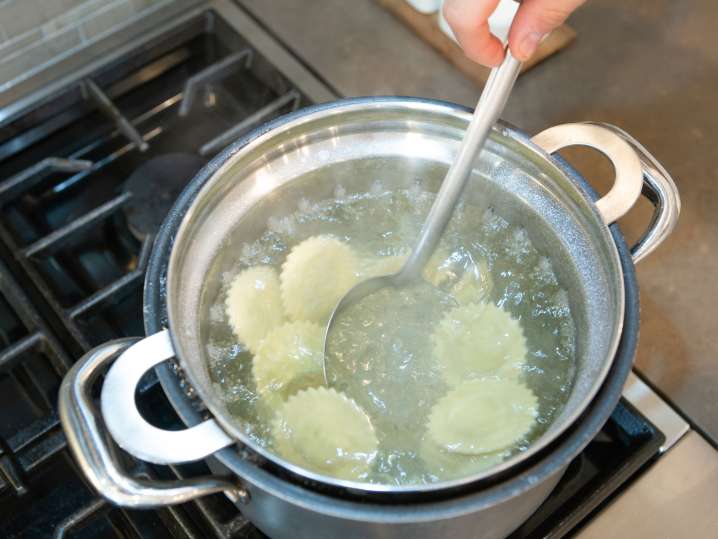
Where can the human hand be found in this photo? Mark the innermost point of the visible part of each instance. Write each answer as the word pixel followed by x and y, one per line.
pixel 534 20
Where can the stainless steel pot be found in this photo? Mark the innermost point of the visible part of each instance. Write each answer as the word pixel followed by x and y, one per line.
pixel 298 153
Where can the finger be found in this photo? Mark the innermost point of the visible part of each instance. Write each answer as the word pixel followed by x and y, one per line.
pixel 469 21
pixel 534 20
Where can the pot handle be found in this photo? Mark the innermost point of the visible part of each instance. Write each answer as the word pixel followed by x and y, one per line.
pixel 93 449
pixel 627 185
pixel 636 171
pixel 127 426
pixel 660 190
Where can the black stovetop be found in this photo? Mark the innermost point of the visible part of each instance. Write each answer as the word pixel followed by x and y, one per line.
pixel 74 240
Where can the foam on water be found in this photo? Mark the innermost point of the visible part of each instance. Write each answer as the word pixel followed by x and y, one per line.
pixel 387 368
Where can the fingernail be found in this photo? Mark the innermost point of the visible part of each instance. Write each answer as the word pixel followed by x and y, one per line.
pixel 529 44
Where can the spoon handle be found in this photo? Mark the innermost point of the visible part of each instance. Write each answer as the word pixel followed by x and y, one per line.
pixel 491 104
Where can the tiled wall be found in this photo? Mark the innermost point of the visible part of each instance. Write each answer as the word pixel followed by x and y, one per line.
pixel 35 32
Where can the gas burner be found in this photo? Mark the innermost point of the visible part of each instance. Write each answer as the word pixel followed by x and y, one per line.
pixel 154 187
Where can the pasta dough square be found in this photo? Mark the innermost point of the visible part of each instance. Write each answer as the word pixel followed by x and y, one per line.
pixel 289 359
pixel 325 431
pixel 450 465
pixel 316 274
pixel 384 265
pixel 482 416
pixel 254 305
pixel 476 340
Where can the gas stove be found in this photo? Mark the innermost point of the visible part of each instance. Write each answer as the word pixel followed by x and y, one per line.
pixel 87 171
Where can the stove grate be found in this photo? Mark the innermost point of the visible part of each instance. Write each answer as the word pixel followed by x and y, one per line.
pixel 32 364
pixel 62 215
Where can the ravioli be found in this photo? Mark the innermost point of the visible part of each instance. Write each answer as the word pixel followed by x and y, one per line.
pixel 316 274
pixel 465 280
pixel 478 339
pixel 289 359
pixel 327 432
pixel 438 269
pixel 447 465
pixel 472 287
pixel 254 305
pixel 482 416
pixel 383 265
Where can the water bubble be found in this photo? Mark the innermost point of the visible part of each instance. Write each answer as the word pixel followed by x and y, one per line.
pixel 216 313
pixel 215 354
pixel 512 296
pixel 493 223
pixel 281 225
pixel 304 205
pixel 560 300
pixel 518 246
pixel 249 254
pixel 415 192
pixel 542 273
pixel 226 278
pixel 340 192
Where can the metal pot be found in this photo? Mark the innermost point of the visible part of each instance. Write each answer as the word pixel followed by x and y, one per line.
pixel 532 187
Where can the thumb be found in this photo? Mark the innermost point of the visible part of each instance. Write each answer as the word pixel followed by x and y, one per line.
pixel 534 20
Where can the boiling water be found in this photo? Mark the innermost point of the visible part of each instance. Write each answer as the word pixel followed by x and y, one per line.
pixel 394 378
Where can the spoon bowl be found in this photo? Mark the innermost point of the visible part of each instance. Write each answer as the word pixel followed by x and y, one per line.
pixel 490 106
pixel 357 292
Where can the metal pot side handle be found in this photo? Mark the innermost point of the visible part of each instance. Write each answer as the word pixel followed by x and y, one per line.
pixel 95 454
pixel 660 189
pixel 636 171
pixel 127 426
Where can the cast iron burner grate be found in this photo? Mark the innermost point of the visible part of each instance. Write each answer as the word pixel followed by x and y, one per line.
pixel 32 364
pixel 63 168
pixel 75 261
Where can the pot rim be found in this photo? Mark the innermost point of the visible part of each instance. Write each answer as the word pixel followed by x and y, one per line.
pixel 177 219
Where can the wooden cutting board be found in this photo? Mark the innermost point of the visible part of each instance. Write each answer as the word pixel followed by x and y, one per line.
pixel 427 28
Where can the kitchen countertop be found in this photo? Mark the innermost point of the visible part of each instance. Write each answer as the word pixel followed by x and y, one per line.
pixel 649 66
pixel 675 498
